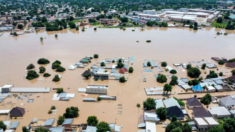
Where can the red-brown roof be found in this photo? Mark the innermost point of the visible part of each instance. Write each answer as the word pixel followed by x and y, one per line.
pixel 123 70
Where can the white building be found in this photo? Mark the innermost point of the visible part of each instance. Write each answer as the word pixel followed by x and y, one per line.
pixel 183 9
pixel 97 89
pixel 203 124
pixel 219 112
pixel 164 10
pixel 151 12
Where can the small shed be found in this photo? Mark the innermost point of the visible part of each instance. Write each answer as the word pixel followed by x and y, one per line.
pixel 67 122
pixel 14 125
pixel 210 89
pixel 89 99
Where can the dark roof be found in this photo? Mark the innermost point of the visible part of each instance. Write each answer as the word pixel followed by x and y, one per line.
pixel 84 60
pixel 174 111
pixel 123 70
pixel 87 72
pixel 193 102
pixel 200 112
pixel 230 64
pixel 17 112
pixel 216 58
pixel 232 78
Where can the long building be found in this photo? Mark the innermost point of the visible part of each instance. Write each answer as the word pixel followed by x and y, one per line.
pixel 30 90
pixel 97 89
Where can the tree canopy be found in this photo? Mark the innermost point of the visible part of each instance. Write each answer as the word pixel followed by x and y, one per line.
pixel 161 78
pixel 43 61
pixel 162 113
pixel 3 126
pixel 167 88
pixel 206 99
pixel 149 104
pixel 31 75
pixel 71 112
pixel 194 72
pixel 92 120
pixel 103 127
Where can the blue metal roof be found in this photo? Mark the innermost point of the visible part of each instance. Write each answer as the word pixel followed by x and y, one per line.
pixel 68 121
pixel 197 88
pixel 56 129
pixel 14 125
pixel 49 122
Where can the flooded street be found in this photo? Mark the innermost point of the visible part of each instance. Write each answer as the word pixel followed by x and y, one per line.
pixel 173 45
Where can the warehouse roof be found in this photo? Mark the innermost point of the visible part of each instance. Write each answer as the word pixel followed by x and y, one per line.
pixel 30 90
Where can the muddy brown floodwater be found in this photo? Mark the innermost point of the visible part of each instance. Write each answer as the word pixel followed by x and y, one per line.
pixel 173 45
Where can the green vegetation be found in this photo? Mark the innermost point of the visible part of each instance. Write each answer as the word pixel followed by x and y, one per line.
pixel 43 61
pixel 164 64
pixel 41 39
pixel 103 127
pixel 102 64
pixel 20 26
pixel 46 75
pixel 161 78
pixel 173 71
pixel 162 113
pixel 60 69
pixel 221 74
pixel 30 66
pixel 149 104
pixel 56 35
pixel 148 41
pixel 77 20
pixel 122 79
pixel 60 90
pixel 221 62
pixel 49 112
pixel 3 126
pixel 71 112
pixel 173 119
pixel 60 120
pixel 188 66
pixel 167 88
pixel 31 75
pixel 53 107
pixel 219 25
pixel 92 121
pixel 206 99
pixel 174 80
pixel 138 105
pixel 204 66
pixel 87 75
pixel 56 64
pixel 41 129
pixel 77 28
pixel 148 63
pixel 233 72
pixel 96 56
pixel 180 102
pixel 56 78
pixel 42 69
pixel 120 64
pixel 177 126
pixel 193 82
pixel 131 70
pixel 212 74
pixel 24 129
pixel 194 72
pixel 231 60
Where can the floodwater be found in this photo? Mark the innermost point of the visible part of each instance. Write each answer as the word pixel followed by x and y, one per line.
pixel 173 45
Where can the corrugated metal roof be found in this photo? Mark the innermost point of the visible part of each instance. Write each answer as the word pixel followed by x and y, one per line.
pixel 68 121
pixel 49 122
pixel 14 125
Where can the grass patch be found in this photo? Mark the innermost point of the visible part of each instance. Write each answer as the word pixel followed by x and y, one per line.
pixel 95 23
pixel 215 24
pixel 77 20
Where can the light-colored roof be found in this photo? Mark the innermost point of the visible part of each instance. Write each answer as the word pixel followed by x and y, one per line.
pixel 49 122
pixel 56 129
pixel 149 116
pixel 14 125
pixel 31 90
pixel 210 88
pixel 159 103
pixel 68 121
pixel 97 86
pixel 227 101
pixel 150 126
pixel 171 102
pixel 91 129
pixel 4 111
pixel 220 111
pixel 211 121
pixel 200 121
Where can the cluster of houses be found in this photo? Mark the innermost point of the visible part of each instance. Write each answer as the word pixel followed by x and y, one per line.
pixel 181 15
pixel 201 118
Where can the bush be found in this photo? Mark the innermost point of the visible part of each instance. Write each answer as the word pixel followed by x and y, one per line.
pixel 56 78
pixel 131 70
pixel 87 75
pixel 180 102
pixel 148 41
pixel 43 61
pixel 194 72
pixel 31 75
pixel 98 98
pixel 60 120
pixel 206 99
pixel 60 69
pixel 102 64
pixel 203 66
pixel 190 82
pixel 149 104
pixel 49 112
pixel 233 72
pixel 46 75
pixel 167 88
pixel 189 66
pixel 30 66
pixel 148 63
pixel 164 64
pixel 71 112
pixel 3 126
pixel 161 78
pixel 195 82
pixel 42 69
pixel 92 121
pixel 138 105
pixel 96 56
pixel 162 113
pixel 120 65
pixel 221 62
pixel 41 129
pixel 173 71
pixel 122 79
pixel 60 90
pixel 174 80
pixel 221 74
pixel 212 74
pixel 55 65
pixel 103 127
pixel 56 35
pixel 53 107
